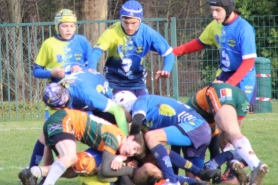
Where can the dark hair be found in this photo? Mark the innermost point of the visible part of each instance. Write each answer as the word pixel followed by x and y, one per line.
pixel 139 138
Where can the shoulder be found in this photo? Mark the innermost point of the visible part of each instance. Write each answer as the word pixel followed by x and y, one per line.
pixel 214 25
pixel 147 29
pixel 114 27
pixel 243 24
pixel 81 38
pixel 50 40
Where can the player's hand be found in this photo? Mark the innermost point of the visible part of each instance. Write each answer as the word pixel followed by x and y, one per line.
pixel 76 68
pixel 132 163
pixel 217 82
pixel 57 73
pixel 117 163
pixel 161 74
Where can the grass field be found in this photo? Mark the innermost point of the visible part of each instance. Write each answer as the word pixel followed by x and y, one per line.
pixel 17 140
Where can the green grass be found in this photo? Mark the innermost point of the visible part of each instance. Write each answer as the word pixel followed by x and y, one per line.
pixel 17 140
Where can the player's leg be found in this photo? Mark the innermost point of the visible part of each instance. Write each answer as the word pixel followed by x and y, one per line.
pixel 66 148
pixel 176 149
pixel 155 140
pixel 146 173
pixel 226 119
pixel 204 174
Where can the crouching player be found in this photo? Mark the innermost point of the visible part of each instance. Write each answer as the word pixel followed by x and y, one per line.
pixel 229 105
pixel 64 128
pixel 170 122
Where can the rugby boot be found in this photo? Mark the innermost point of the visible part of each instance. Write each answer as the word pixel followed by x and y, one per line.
pixel 258 174
pixel 210 171
pixel 240 173
pixel 27 178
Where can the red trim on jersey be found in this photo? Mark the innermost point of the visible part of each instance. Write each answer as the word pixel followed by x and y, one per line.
pixel 240 118
pixel 188 47
pixel 243 69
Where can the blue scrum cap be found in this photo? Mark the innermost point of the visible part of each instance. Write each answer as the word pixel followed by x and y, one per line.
pixel 55 95
pixel 132 8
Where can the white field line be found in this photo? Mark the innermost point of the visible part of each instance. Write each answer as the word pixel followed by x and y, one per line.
pixel 3 168
pixel 20 128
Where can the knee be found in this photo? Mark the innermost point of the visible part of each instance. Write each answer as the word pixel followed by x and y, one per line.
pixel 71 158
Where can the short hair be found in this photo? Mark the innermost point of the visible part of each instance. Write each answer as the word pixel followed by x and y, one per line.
pixel 139 138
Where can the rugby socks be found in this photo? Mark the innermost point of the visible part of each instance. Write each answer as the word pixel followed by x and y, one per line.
pixel 244 149
pixel 223 158
pixel 36 171
pixel 37 154
pixel 56 171
pixel 180 162
pixel 164 162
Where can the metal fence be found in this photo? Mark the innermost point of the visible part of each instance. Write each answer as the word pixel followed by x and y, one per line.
pixel 20 92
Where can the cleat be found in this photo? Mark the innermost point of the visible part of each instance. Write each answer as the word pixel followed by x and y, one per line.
pixel 210 171
pixel 27 178
pixel 240 173
pixel 258 174
pixel 207 174
pixel 166 182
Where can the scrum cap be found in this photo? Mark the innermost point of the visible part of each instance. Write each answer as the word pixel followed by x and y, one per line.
pixel 132 8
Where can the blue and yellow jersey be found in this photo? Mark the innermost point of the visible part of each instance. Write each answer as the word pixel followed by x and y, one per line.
pixel 88 90
pixel 236 41
pixel 161 111
pixel 60 53
pixel 124 66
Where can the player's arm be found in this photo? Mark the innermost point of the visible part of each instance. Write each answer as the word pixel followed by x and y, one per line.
pixel 96 54
pixel 105 167
pixel 139 110
pixel 119 115
pixel 137 121
pixel 40 72
pixel 104 42
pixel 188 47
pixel 244 68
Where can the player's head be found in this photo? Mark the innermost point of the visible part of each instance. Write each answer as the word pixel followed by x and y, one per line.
pixel 125 99
pixel 131 15
pixel 65 23
pixel 86 163
pixel 227 5
pixel 55 95
pixel 133 145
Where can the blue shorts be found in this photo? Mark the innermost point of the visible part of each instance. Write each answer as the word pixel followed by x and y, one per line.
pixel 194 134
pixel 248 84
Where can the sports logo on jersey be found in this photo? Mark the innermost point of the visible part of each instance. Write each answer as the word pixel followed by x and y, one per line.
pixel 54 127
pixel 245 106
pixel 166 110
pixel 78 56
pixel 59 58
pixel 185 116
pixel 226 94
pixel 139 49
pixel 126 64
pixel 231 42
